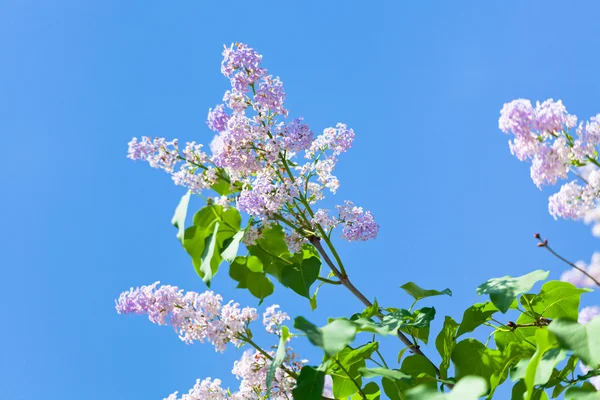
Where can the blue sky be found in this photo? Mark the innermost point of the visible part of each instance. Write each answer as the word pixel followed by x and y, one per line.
pixel 421 83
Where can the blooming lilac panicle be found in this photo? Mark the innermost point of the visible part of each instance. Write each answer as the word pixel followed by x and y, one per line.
pixel 274 319
pixel 551 116
pixel 357 224
pixel 323 218
pixel 270 96
pixel 217 118
pixel 517 117
pixel 241 64
pixel 195 317
pixel 550 163
pixel 296 136
pixel 159 153
pixel 568 202
pixel 203 390
pixel 251 235
pixel 590 132
pixel 338 139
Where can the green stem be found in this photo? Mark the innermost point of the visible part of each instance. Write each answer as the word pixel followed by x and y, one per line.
pixel 331 281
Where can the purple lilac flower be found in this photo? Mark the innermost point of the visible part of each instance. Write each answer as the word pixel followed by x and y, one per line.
pixel 159 153
pixel 296 136
pixel 551 116
pixel 323 218
pixel 517 117
pixel 195 317
pixel 568 202
pixel 338 139
pixel 217 118
pixel 241 64
pixel 274 319
pixel 357 224
pixel 590 132
pixel 270 96
pixel 550 163
pixel 586 314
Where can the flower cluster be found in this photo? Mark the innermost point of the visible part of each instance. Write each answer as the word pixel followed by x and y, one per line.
pixel 255 152
pixel 543 134
pixel 251 370
pixel 195 317
pixel 579 279
pixel 273 319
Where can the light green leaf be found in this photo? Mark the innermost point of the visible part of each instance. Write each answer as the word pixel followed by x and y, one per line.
pixel 580 393
pixel 546 365
pixel 309 385
pixel 279 356
pixel 504 290
pixel 475 316
pixel 543 345
pixel 208 267
pixel 392 389
pixel 511 355
pixel 421 369
pixel 344 379
pixel 555 300
pixel 419 293
pixel 384 372
pixel 444 343
pixel 371 390
pixel 231 247
pixel 351 356
pixel 584 340
pixel 178 219
pixel 468 388
pixel 332 338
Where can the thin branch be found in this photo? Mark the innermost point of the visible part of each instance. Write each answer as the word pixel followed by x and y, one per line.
pixel 544 243
pixel 358 294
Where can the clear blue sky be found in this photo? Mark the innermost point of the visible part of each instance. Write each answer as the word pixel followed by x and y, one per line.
pixel 421 84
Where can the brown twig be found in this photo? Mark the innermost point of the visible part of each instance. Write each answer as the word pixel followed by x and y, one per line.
pixel 544 243
pixel 358 294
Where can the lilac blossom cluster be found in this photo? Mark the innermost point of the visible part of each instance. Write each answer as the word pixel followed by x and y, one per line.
pixel 357 223
pixel 255 151
pixel 578 278
pixel 544 135
pixel 195 317
pixel 251 371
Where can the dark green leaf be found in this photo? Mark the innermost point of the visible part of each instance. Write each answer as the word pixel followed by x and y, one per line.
pixel 371 390
pixel 259 285
pixel 503 291
pixel 309 385
pixel 581 393
pixel 299 277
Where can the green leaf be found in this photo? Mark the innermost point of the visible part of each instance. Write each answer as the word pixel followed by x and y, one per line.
pixel 580 393
pixel 468 388
pixel 519 390
pixel 178 219
pixel 279 357
pixel 511 355
pixel 231 248
pixel 392 389
pixel 504 290
pixel 309 385
pixel 371 311
pixel 351 356
pixel 555 300
pixel 384 372
pixel 471 357
pixel 259 285
pixel 421 369
pixel 208 267
pixel 475 316
pixel 444 343
pixel 584 340
pixel 543 344
pixel 345 380
pixel 545 366
pixel 419 293
pixel 332 338
pixel 371 390
pixel 522 335
pixel 299 277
